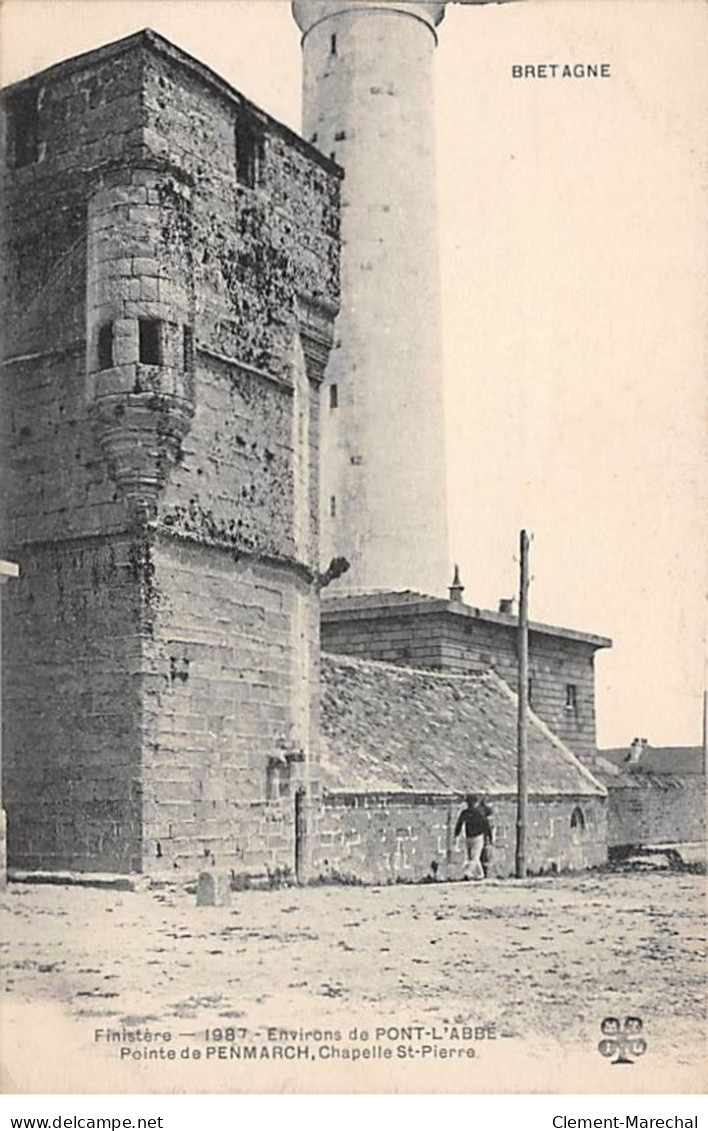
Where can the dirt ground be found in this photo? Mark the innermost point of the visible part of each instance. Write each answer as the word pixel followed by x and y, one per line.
pixel 503 984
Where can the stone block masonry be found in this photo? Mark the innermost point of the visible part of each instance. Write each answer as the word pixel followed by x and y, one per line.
pixel 72 765
pixel 655 809
pixel 173 278
pixel 8 571
pixel 224 702
pixel 389 838
pixel 424 632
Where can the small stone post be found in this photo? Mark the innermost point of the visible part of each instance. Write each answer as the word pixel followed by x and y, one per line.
pixel 213 889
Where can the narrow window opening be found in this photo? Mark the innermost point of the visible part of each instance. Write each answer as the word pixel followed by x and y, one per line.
pixel 105 346
pixel 530 691
pixel 333 156
pixel 333 396
pixel 149 342
pixel 277 780
pixel 577 819
pixel 249 153
pixel 571 697
pixel 333 45
pixel 333 506
pixel 187 347
pixel 23 122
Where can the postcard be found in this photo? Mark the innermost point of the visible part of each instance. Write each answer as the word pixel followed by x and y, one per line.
pixel 353 536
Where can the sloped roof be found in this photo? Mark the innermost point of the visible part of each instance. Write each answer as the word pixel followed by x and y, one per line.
pixel 387 729
pixel 675 760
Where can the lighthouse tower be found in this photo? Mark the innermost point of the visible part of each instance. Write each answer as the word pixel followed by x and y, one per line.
pixel 369 103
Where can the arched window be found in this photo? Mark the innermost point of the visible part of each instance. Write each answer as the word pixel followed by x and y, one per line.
pixel 577 820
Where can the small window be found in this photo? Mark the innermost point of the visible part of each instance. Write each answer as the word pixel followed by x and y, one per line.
pixel 249 153
pixel 333 506
pixel 333 156
pixel 340 135
pixel 571 697
pixel 333 45
pixel 187 347
pixel 577 819
pixel 314 137
pixel 277 779
pixel 150 352
pixel 333 396
pixel 105 346
pixel 23 124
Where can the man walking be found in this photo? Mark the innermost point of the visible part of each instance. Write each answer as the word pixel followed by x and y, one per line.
pixel 477 830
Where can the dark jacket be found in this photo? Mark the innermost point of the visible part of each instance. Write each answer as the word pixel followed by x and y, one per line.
pixel 475 823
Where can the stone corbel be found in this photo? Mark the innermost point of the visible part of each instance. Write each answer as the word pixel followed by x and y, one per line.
pixel 141 437
pixel 315 319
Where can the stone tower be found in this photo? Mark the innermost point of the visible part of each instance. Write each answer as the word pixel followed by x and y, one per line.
pixel 369 104
pixel 172 279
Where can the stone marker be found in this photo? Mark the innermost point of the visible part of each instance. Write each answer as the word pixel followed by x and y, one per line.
pixel 213 889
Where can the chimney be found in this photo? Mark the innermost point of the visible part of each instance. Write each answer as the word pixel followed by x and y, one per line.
pixel 636 749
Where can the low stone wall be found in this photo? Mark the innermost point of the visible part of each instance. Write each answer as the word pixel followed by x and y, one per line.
pixel 656 809
pixel 384 838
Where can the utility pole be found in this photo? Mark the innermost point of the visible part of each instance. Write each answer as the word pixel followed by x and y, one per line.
pixel 523 697
pixel 706 731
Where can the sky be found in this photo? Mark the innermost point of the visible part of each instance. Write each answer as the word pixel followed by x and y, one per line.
pixel 574 303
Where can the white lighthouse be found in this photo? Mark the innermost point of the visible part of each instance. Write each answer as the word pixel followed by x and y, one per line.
pixel 369 103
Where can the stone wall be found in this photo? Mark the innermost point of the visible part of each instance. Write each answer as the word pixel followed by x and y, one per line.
pixel 71 707
pixel 656 809
pixel 379 838
pixel 172 258
pixel 556 663
pixel 441 636
pixel 226 745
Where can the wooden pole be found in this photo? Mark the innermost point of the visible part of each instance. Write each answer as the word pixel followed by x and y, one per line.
pixel 523 697
pixel 705 731
pixel 704 705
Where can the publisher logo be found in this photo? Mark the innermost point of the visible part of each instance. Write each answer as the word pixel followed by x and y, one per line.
pixel 622 1041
